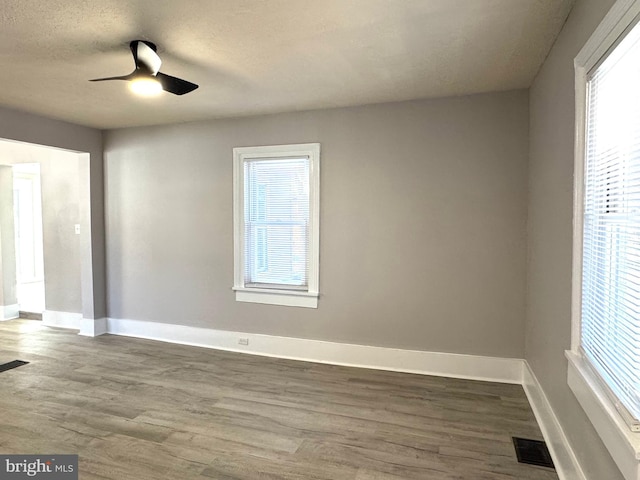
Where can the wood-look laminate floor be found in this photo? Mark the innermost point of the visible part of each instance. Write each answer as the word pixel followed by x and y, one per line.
pixel 139 409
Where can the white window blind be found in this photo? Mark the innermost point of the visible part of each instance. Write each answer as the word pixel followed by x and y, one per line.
pixel 610 318
pixel 276 223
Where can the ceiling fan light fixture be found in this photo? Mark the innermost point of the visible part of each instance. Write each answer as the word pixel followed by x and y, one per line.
pixel 147 79
pixel 146 86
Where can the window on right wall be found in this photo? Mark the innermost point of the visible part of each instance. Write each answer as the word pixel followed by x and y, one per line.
pixel 610 326
pixel 604 362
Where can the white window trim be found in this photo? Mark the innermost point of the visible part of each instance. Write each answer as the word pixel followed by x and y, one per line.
pixel 293 298
pixel 622 443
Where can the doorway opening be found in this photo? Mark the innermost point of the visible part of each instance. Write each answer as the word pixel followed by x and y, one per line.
pixel 27 207
pixel 62 191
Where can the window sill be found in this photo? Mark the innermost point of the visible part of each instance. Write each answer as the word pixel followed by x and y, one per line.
pixel 288 298
pixel 622 443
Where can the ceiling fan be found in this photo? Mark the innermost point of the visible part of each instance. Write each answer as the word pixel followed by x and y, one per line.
pixel 147 79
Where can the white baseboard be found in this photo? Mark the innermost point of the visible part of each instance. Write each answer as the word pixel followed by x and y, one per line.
pixel 505 370
pixel 564 458
pixel 93 327
pixel 87 327
pixel 9 312
pixel 474 367
pixel 52 318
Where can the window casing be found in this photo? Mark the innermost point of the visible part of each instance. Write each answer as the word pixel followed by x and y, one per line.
pixel 276 224
pixel 604 360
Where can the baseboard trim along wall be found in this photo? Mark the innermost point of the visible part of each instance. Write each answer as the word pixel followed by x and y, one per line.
pixel 52 318
pixel 506 370
pixel 88 327
pixel 93 327
pixel 9 312
pixel 564 458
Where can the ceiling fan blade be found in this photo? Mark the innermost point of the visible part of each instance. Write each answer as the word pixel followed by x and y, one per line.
pixel 122 77
pixel 174 85
pixel 145 56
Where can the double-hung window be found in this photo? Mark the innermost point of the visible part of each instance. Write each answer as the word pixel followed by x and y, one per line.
pixel 604 362
pixel 276 217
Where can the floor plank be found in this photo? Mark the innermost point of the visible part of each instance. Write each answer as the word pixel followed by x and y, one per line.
pixel 139 409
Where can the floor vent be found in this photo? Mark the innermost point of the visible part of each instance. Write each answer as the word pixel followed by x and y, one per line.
pixel 532 452
pixel 9 365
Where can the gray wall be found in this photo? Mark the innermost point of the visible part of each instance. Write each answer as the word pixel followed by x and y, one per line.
pixel 550 234
pixel 7 240
pixel 62 249
pixel 60 178
pixel 423 224
pixel 25 127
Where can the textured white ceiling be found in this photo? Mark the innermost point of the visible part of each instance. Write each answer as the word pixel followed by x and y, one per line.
pixel 258 56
